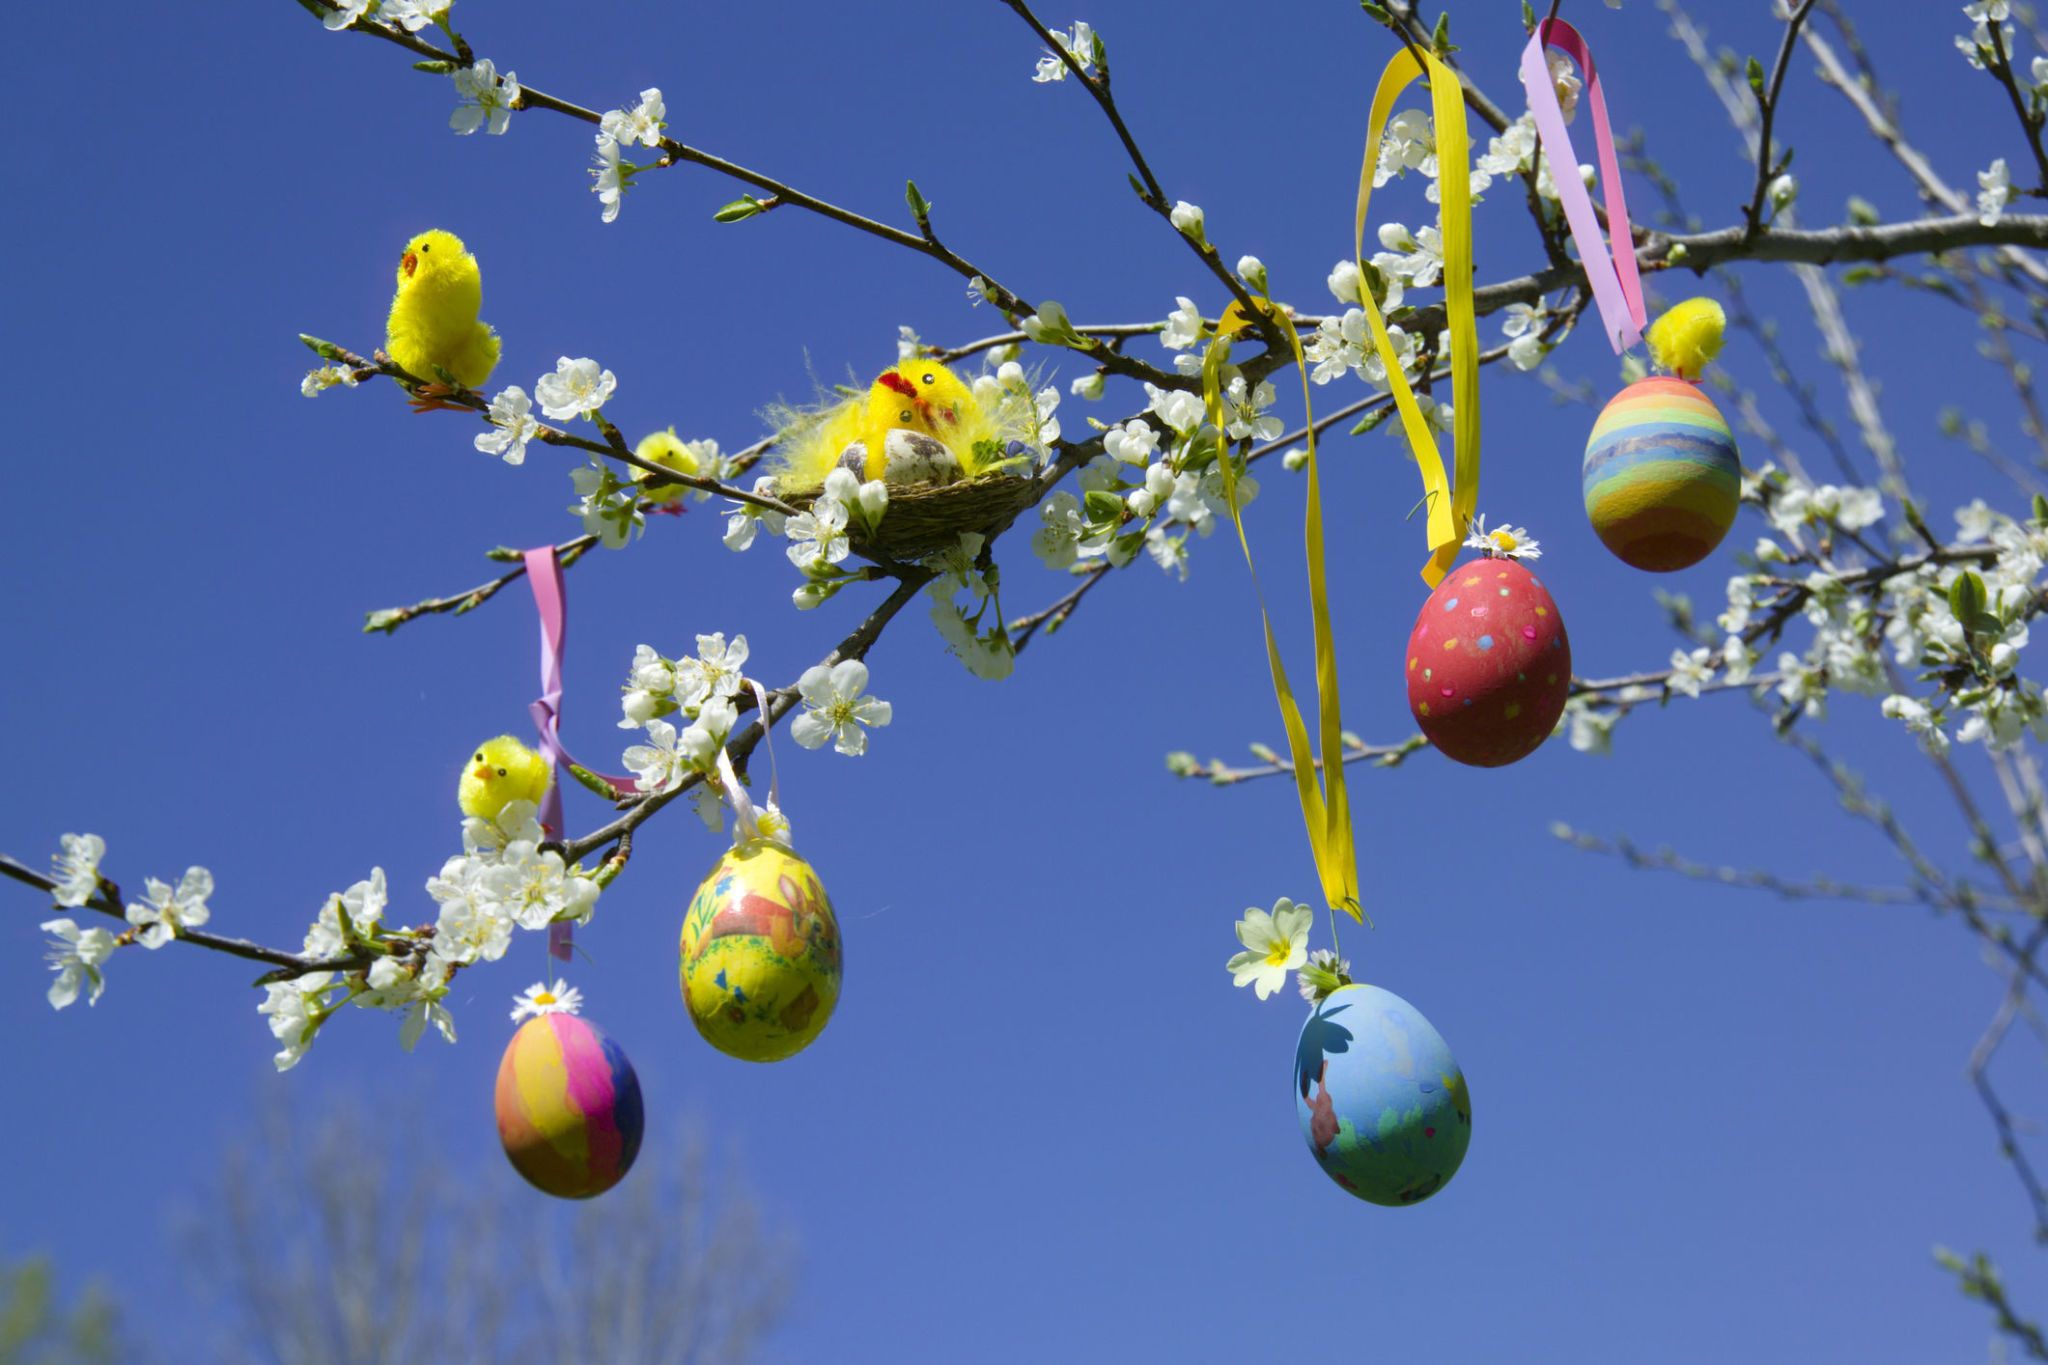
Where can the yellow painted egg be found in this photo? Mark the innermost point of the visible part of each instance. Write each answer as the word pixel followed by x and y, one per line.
pixel 760 954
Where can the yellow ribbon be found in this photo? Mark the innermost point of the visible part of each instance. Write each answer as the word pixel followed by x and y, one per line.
pixel 1449 516
pixel 1325 808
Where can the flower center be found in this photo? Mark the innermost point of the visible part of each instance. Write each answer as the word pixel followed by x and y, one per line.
pixel 1279 953
pixel 544 998
pixel 1505 541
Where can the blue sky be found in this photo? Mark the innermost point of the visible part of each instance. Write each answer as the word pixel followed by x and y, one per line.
pixel 1708 1124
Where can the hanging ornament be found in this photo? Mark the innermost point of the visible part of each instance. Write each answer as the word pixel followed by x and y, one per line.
pixel 569 1111
pixel 760 946
pixel 1489 664
pixel 1381 1100
pixel 1662 474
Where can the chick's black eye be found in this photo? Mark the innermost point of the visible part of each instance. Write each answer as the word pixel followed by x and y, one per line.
pixel 903 416
pixel 931 379
pixel 426 246
pixel 479 755
pixel 501 772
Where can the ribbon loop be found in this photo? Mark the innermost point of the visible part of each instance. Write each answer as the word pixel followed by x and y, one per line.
pixel 1610 271
pixel 1325 806
pixel 551 601
pixel 1451 505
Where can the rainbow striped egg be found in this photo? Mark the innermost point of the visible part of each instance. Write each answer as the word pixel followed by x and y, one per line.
pixel 568 1107
pixel 1662 476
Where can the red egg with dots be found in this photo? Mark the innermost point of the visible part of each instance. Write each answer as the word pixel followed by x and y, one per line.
pixel 1489 665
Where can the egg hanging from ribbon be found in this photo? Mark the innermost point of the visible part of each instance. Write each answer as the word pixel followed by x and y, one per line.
pixel 1488 664
pixel 569 1111
pixel 1381 1101
pixel 1662 476
pixel 760 954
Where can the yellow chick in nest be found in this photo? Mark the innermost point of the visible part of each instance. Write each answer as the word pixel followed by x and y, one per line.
pixel 499 772
pixel 1687 337
pixel 433 321
pixel 919 396
pixel 670 451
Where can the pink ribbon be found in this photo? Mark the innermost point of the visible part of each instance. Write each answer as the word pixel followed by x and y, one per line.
pixel 1617 287
pixel 550 598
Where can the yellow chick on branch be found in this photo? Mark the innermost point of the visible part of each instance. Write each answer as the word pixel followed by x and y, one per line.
pixel 499 772
pixel 433 324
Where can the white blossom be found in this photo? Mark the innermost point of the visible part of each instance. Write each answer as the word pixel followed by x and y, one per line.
pixel 296 1010
pixel 320 380
pixel 488 99
pixel 75 955
pixel 1245 416
pixel 512 425
pixel 1080 44
pixel 346 12
pixel 608 505
pixel 746 520
pixel 1183 325
pixel 75 867
pixel 577 388
pixel 168 912
pixel 609 178
pixel 1994 191
pixel 642 123
pixel 817 538
pixel 835 709
pixel 1188 219
pixel 1057 542
pixel 1691 671
pixel 713 672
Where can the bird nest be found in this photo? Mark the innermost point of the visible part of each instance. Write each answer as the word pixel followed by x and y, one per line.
pixel 931 503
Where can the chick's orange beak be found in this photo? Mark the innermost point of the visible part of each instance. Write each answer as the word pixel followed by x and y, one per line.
pixel 409 263
pixel 482 772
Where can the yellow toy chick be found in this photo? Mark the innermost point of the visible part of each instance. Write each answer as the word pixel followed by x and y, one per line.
pixel 1687 337
pixel 501 771
pixel 668 450
pixel 920 396
pixel 433 319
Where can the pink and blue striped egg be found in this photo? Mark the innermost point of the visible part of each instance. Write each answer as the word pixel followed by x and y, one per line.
pixel 569 1109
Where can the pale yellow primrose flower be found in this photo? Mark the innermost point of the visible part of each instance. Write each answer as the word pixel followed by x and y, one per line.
pixel 1275 944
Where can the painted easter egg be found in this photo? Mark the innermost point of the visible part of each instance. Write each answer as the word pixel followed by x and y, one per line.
pixel 908 457
pixel 1381 1100
pixel 760 954
pixel 1662 476
pixel 1489 666
pixel 568 1105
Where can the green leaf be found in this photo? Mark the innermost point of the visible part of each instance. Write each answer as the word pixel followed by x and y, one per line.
pixel 1181 763
pixel 1138 187
pixel 436 68
pixel 744 207
pixel 920 208
pixel 1861 274
pixel 593 781
pixel 1756 79
pixel 386 619
pixel 1966 597
pixel 2040 510
pixel 1372 11
pixel 326 350
pixel 1373 420
pixel 1441 39
pixel 1528 18
pixel 1104 508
